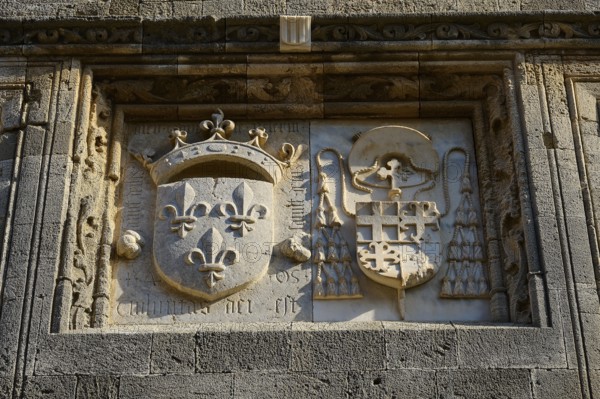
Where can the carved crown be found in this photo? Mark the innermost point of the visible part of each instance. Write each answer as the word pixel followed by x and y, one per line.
pixel 213 156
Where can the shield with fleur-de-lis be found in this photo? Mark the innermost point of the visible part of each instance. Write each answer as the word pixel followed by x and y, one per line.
pixel 213 235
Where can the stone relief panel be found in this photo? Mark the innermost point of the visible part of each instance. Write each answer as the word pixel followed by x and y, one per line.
pixel 327 237
pixel 402 198
pixel 224 238
pixel 189 217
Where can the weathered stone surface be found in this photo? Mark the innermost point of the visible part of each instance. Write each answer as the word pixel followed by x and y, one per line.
pixel 501 347
pixel 105 354
pixel 97 387
pixel 325 347
pixel 173 354
pixel 555 383
pixel 5 386
pixel 177 386
pixel 392 384
pixel 497 383
pixel 290 385
pixel 360 67
pixel 244 347
pixel 422 346
pixel 50 387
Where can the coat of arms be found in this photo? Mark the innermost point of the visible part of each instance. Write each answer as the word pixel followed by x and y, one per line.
pixel 214 200
pixel 398 238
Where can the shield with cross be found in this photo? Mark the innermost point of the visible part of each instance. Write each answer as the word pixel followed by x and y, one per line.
pixel 398 243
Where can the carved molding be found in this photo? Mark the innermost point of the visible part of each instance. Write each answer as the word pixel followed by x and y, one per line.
pixel 514 31
pixel 485 99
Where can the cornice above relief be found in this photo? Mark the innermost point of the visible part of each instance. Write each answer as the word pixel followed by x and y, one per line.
pixel 328 33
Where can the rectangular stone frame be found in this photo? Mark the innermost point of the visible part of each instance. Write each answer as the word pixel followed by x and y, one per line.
pixel 388 347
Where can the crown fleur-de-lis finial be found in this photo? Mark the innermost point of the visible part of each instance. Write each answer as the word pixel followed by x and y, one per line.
pixel 258 137
pixel 178 138
pixel 219 128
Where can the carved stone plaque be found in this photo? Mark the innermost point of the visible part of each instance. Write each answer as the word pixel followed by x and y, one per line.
pixel 376 220
pixel 257 221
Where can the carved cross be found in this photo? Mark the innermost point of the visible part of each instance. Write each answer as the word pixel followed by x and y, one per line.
pixel 377 220
pixel 380 258
pixel 396 172
pixel 426 214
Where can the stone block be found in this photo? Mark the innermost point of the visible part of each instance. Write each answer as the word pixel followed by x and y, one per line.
pixel 124 7
pixel 156 10
pixel 105 354
pixel 580 253
pixel 63 138
pixel 587 297
pixel 34 140
pixel 307 7
pixel 551 254
pixel 509 5
pixel 413 384
pixel 261 7
pixel 338 346
pixel 543 5
pixel 215 386
pixel 290 385
pixel 187 8
pixel 510 347
pixel 561 312
pixel 47 387
pixel 430 6
pixel 42 84
pixel 595 382
pixel 221 8
pixel 541 183
pixel 6 384
pixel 556 98
pixel 89 386
pixel 8 144
pixel 27 191
pixel 590 325
pixel 173 353
pixel 243 347
pixel 555 384
pixel 498 383
pixel 570 183
pixel 422 346
pixel 19 253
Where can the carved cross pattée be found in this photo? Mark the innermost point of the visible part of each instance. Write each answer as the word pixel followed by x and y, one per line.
pixel 426 214
pixel 377 220
pixel 396 172
pixel 212 257
pixel 242 212
pixel 184 221
pixel 379 257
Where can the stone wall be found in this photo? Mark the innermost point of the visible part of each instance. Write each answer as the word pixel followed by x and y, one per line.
pixel 87 106
pixel 154 9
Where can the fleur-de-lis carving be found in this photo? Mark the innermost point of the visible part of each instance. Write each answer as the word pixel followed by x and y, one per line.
pixel 219 128
pixel 184 221
pixel 212 257
pixel 242 213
